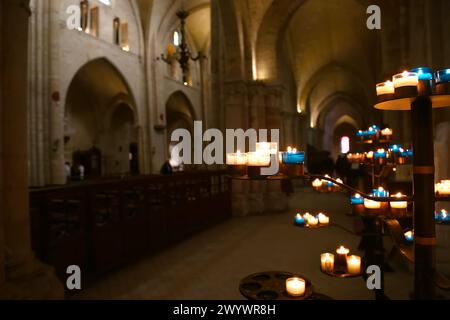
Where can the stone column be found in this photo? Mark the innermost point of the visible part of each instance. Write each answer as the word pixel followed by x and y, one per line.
pixel 24 276
pixel 57 174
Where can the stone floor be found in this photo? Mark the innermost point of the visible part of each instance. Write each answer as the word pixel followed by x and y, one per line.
pixel 211 264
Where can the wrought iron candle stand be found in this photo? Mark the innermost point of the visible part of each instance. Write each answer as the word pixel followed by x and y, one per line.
pixel 421 107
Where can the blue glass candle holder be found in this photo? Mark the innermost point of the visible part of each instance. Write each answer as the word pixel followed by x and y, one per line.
pixel 443 81
pixel 293 157
pixel 409 238
pixel 380 155
pixel 424 73
pixel 357 200
pixel 380 193
pixel 395 148
pixel 407 153
pixel 360 133
pixel 299 220
pixel 425 86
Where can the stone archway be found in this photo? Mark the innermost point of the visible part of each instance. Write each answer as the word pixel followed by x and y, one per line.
pixel 100 118
pixel 180 114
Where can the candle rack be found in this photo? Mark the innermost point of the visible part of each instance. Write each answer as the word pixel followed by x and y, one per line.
pixel 271 285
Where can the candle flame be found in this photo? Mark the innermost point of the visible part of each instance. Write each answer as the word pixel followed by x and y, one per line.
pixel 342 250
pixel 357 196
pixel 405 74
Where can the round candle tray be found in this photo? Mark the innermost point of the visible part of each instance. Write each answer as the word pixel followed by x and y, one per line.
pixel 306 226
pixel 271 285
pixel 341 275
pixel 404 104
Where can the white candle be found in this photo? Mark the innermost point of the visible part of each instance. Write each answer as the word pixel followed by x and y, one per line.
pixel 387 132
pixel 369 155
pixel 327 262
pixel 257 159
pixel 370 204
pixel 306 216
pixel 317 184
pixel 354 265
pixel 399 204
pixel 443 187
pixel 313 221
pixel 295 287
pixel 406 79
pixel 236 159
pixel 323 219
pixel 385 88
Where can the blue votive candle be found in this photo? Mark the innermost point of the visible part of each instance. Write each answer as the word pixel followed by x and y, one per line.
pixel 380 154
pixel 395 148
pixel 299 220
pixel 357 199
pixel 291 157
pixel 409 236
pixel 424 73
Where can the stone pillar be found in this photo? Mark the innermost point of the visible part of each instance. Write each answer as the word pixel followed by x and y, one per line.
pixel 24 277
pixel 57 174
pixel 258 106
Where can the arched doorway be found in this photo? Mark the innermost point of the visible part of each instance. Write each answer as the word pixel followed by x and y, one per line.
pixel 180 115
pixel 101 132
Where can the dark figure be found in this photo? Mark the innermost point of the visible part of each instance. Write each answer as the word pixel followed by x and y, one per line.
pixel 343 167
pixel 166 168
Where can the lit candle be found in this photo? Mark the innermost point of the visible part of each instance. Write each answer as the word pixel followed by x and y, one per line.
pixel 369 155
pixel 387 132
pixel 313 221
pixel 395 148
pixel 292 156
pixel 327 262
pixel 237 159
pixel 323 219
pixel 424 73
pixel 370 204
pixel 295 287
pixel 443 188
pixel 306 216
pixel 385 88
pixel 357 199
pixel 406 79
pixel 354 265
pixel 341 259
pixel 380 154
pixel 299 220
pixel 443 216
pixel 258 159
pixel 409 236
pixel 317 184
pixel 399 204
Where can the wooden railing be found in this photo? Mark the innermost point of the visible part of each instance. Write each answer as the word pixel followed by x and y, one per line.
pixel 103 225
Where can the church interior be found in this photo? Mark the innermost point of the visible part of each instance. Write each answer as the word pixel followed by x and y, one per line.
pixel 101 199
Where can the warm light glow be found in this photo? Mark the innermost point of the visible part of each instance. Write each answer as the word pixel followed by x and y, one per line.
pixel 399 204
pixel 370 204
pixel 323 219
pixel 295 287
pixel 342 250
pixel 385 88
pixel 354 264
pixel 317 183
pixel 406 79
pixel 327 262
pixel 443 187
pixel 313 221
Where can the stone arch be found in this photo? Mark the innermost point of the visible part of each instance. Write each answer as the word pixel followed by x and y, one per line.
pixel 339 117
pixel 180 114
pixel 92 123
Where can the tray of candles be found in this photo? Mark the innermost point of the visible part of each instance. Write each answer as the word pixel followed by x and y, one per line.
pixel 312 222
pixel 276 285
pixel 342 265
